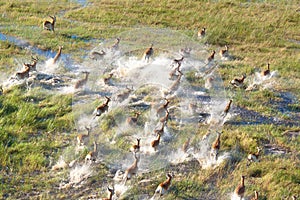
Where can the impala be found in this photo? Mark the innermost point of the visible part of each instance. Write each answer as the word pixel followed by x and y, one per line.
pixel 215 147
pixel 92 155
pixel 238 81
pixel 227 108
pixel 224 52
pixel 23 74
pixel 130 171
pixel 240 189
pixel 201 33
pixel 155 143
pixel 163 187
pixel 111 193
pixel 95 55
pixel 176 83
pixel 161 109
pixel 267 71
pixel 81 137
pixel 49 25
pixel 148 53
pixel 254 157
pixel 32 65
pixel 83 81
pixel 136 147
pixel 115 46
pixel 211 56
pixel 107 79
pixel 255 196
pixel 133 120
pixel 103 107
pixel 58 54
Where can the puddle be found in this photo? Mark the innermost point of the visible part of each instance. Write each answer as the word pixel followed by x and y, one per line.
pixel 83 39
pixel 249 117
pixel 275 150
pixel 286 100
pixel 83 3
pixel 294 41
pixel 66 58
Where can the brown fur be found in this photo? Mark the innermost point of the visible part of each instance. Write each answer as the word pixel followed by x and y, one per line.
pixel 81 137
pixel 240 189
pixel 164 186
pixel 238 81
pixel 133 120
pixel 95 55
pixel 176 84
pixel 23 74
pixel 255 196
pixel 211 56
pixel 227 108
pixel 83 81
pixel 155 142
pixel 58 54
pixel 92 155
pixel 216 146
pixel 202 32
pixel 32 65
pixel 148 53
pixel 131 170
pixel 111 193
pixel 103 107
pixel 47 25
pixel 165 118
pixel 224 52
pixel 136 147
pixel 254 157
pixel 163 107
pixel 115 46
pixel 267 71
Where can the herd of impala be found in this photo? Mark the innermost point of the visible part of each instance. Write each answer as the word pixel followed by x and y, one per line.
pixel 162 111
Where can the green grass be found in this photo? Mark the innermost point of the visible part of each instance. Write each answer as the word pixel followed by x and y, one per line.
pixel 36 126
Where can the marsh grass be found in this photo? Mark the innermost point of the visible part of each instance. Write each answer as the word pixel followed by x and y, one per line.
pixel 36 125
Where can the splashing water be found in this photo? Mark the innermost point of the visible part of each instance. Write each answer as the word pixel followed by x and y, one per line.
pixel 50 66
pixel 235 197
pixel 120 189
pixel 212 163
pixel 66 90
pixel 80 173
pixel 260 81
pixel 179 156
pixel 60 164
pixel 150 81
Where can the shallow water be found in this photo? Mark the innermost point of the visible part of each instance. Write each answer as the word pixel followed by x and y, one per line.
pixel 66 58
pixel 150 82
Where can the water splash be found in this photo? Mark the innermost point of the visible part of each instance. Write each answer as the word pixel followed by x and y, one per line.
pixel 210 162
pixel 41 52
pixel 80 173
pixel 50 66
pixel 179 156
pixel 66 90
pixel 233 196
pixel 150 82
pixel 120 189
pixel 263 82
pixel 60 164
